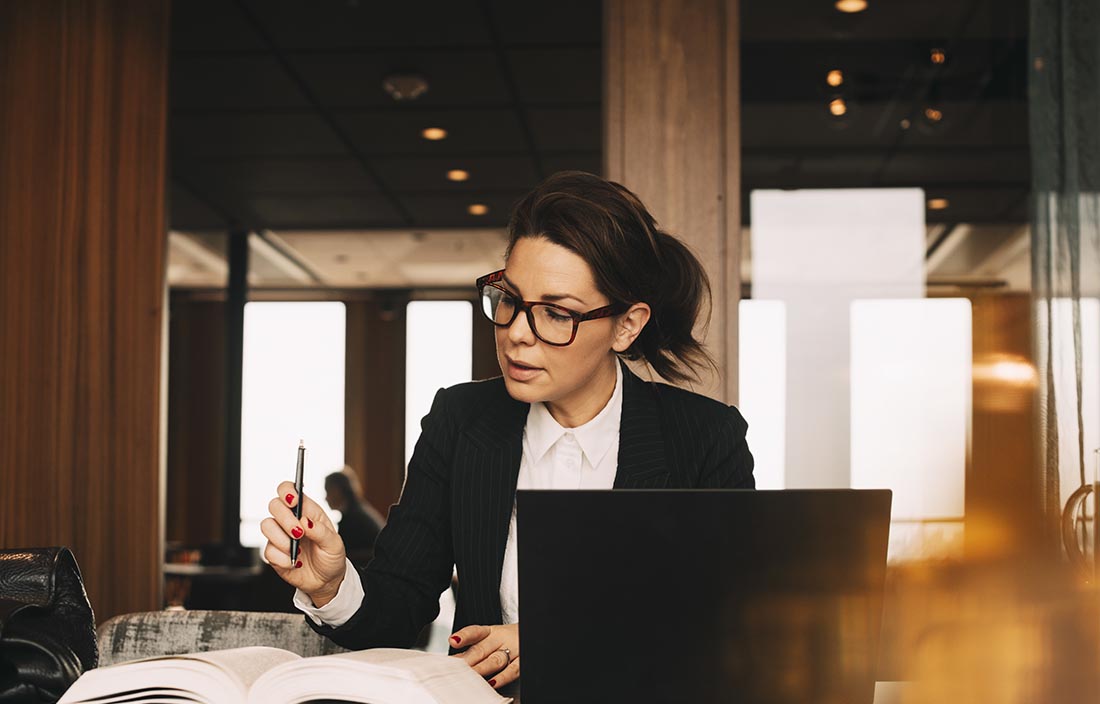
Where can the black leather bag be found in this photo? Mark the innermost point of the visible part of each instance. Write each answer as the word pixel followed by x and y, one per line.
pixel 47 630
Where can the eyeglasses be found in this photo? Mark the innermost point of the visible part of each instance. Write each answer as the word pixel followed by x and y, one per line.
pixel 553 324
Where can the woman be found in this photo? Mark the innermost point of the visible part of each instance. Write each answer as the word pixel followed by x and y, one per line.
pixel 589 279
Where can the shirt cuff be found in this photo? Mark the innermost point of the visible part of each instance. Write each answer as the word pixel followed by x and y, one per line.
pixel 343 606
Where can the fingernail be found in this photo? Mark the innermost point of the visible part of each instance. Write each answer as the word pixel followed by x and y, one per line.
pixel 290 498
pixel 297 532
pixel 298 563
pixel 456 639
pixel 309 523
pixel 492 683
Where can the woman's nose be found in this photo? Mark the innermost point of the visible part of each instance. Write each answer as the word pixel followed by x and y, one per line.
pixel 520 331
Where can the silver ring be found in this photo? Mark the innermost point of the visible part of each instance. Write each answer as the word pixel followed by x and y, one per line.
pixel 507 654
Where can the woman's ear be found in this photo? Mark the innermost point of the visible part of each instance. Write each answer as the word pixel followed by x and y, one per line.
pixel 629 326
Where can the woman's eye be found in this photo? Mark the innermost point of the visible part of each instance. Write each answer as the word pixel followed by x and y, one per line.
pixel 557 315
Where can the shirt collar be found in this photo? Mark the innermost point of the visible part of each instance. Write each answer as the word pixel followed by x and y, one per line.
pixel 595 437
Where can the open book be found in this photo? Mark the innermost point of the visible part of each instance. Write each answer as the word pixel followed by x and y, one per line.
pixel 274 676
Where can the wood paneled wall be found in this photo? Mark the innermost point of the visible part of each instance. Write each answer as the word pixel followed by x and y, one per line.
pixel 672 135
pixel 196 421
pixel 82 270
pixel 374 410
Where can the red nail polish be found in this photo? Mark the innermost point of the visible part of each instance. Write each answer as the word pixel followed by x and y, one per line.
pixel 492 683
pixel 297 532
pixel 289 499
pixel 456 639
pixel 309 523
pixel 298 563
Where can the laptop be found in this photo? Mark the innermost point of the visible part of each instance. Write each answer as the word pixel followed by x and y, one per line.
pixel 701 596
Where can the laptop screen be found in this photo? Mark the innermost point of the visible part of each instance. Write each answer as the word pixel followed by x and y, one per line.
pixel 701 596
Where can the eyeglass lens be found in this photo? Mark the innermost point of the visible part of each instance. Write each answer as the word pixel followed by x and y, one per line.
pixel 550 324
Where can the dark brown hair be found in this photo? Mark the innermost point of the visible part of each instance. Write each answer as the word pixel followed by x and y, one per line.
pixel 632 259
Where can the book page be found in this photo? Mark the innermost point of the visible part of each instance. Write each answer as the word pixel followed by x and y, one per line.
pixel 378 676
pixel 215 676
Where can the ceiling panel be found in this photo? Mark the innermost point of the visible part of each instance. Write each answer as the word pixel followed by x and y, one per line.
pixel 191 213
pixel 449 210
pixel 211 25
pixel 396 131
pixel 802 20
pixel 566 129
pixel 430 173
pixel 248 81
pixel 351 24
pixel 560 75
pixel 324 211
pixel 558 22
pixel 592 162
pixel 281 175
pixel 256 134
pixel 455 78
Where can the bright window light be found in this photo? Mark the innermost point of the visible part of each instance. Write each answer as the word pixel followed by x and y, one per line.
pixel 762 387
pixel 292 389
pixel 439 353
pixel 911 393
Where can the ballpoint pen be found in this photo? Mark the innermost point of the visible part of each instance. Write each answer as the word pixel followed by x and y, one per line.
pixel 299 473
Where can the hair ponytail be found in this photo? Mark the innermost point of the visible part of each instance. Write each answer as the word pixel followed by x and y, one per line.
pixel 632 261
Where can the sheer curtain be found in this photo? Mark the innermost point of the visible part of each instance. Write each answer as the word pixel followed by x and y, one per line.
pixel 1065 150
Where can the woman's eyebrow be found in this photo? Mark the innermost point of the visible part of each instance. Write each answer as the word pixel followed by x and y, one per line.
pixel 551 297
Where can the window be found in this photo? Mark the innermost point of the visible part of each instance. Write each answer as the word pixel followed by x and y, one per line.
pixel 292 388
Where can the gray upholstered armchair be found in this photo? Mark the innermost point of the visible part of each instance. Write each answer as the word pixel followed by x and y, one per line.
pixel 153 633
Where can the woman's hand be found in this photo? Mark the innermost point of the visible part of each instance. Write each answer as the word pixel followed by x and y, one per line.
pixel 320 566
pixel 493 651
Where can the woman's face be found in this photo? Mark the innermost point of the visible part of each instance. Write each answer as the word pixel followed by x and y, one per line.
pixel 574 381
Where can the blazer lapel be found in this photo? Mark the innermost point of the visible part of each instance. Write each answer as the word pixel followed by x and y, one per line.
pixel 497 435
pixel 641 444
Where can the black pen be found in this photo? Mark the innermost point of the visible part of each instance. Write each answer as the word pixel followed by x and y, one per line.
pixel 299 477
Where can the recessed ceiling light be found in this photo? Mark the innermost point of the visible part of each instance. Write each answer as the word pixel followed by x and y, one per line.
pixel 477 209
pixel 838 107
pixel 938 203
pixel 938 56
pixel 834 77
pixel 933 114
pixel 434 133
pixel 851 5
pixel 458 175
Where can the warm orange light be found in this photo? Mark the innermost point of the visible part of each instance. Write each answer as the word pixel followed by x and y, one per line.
pixel 933 114
pixel 851 5
pixel 938 56
pixel 434 133
pixel 838 107
pixel 458 175
pixel 938 203
pixel 477 209
pixel 834 77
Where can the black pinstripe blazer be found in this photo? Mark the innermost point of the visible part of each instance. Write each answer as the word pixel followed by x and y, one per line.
pixel 457 501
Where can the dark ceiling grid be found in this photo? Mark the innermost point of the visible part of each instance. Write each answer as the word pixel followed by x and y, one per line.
pixel 934 74
pixel 325 115
pixel 513 90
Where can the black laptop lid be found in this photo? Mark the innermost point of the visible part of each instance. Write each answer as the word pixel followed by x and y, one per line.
pixel 701 596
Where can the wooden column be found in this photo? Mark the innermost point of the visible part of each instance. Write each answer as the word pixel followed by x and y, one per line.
pixel 672 135
pixel 374 410
pixel 82 271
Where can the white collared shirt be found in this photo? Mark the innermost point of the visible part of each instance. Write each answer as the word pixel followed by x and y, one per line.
pixel 585 457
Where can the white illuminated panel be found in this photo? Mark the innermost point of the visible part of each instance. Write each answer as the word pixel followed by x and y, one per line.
pixel 292 388
pixel 439 353
pixel 910 407
pixel 762 386
pixel 817 251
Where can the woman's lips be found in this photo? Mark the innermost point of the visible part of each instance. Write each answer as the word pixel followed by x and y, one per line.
pixel 521 372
